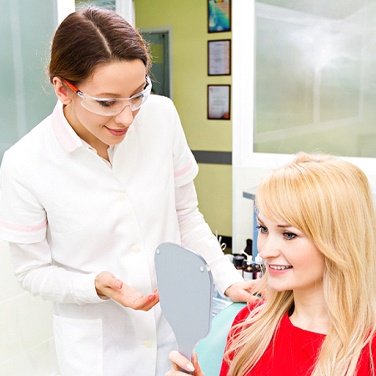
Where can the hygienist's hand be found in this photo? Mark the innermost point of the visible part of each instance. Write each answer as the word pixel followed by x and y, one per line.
pixel 108 285
pixel 241 291
pixel 180 362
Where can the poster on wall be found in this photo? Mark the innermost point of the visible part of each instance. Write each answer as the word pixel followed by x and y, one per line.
pixel 219 102
pixel 219 57
pixel 219 16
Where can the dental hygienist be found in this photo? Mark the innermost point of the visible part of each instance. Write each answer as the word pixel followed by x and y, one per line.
pixel 89 194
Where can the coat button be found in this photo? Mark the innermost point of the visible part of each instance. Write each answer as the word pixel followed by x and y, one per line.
pixel 122 197
pixel 148 344
pixel 136 248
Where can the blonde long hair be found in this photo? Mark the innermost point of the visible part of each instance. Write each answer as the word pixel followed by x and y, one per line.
pixel 330 201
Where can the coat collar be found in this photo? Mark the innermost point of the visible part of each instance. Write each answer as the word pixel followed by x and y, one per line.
pixel 65 134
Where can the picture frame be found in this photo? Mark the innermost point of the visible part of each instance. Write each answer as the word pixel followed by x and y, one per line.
pixel 219 57
pixel 219 16
pixel 219 102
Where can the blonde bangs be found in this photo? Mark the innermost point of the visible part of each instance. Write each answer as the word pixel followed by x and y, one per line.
pixel 280 197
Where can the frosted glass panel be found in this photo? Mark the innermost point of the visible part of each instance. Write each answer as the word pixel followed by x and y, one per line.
pixel 109 4
pixel 315 77
pixel 26 96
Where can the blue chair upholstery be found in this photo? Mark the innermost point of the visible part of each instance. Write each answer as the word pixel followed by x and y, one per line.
pixel 210 349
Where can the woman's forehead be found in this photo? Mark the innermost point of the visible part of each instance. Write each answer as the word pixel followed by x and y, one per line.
pixel 121 78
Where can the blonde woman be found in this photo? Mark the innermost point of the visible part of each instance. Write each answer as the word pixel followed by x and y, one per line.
pixel 317 236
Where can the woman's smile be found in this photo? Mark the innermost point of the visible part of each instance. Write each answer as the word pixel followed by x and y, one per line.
pixel 278 268
pixel 117 132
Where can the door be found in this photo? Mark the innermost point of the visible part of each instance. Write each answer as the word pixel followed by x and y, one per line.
pixel 160 50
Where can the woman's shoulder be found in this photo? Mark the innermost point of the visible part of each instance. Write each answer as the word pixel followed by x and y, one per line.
pixel 157 101
pixel 32 143
pixel 158 113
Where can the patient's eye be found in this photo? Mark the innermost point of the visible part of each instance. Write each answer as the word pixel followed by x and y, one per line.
pixel 289 235
pixel 262 229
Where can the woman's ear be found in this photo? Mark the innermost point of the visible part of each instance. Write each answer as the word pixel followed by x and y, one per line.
pixel 62 91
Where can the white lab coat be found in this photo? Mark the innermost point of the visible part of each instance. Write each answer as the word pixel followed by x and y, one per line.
pixel 70 215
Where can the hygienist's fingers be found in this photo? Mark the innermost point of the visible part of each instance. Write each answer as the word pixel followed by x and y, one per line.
pixel 117 284
pixel 130 297
pixel 108 285
pixel 251 285
pixel 145 302
pixel 245 294
pixel 105 282
pixel 241 291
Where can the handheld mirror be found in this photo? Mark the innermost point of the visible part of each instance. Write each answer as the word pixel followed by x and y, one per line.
pixel 185 286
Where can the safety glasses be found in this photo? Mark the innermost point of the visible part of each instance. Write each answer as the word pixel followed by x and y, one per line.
pixel 112 106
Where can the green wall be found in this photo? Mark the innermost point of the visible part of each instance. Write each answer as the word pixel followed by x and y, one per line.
pixel 188 22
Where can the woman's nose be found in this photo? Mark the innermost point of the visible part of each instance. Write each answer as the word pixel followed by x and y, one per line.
pixel 125 117
pixel 267 247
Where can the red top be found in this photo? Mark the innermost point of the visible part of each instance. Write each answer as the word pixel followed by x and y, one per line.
pixel 294 352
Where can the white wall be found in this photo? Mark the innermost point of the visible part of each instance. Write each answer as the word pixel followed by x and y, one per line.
pixel 26 343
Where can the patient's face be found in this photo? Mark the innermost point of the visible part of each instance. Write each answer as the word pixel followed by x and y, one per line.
pixel 293 262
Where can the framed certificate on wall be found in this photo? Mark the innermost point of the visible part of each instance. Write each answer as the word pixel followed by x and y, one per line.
pixel 219 102
pixel 219 57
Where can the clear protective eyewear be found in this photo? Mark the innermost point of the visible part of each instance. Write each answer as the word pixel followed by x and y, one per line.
pixel 112 106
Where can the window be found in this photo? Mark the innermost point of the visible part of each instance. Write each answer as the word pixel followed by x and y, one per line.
pixel 109 4
pixel 314 77
pixel 26 96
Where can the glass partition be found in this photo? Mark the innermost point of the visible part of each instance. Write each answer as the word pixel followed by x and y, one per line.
pixel 26 96
pixel 315 77
pixel 109 4
pixel 303 79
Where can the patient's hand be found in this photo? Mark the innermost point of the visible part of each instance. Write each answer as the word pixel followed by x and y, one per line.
pixel 180 362
pixel 107 285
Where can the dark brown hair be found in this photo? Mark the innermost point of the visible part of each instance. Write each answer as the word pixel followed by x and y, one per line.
pixel 92 36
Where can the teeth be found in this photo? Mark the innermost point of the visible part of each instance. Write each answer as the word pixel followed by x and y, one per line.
pixel 278 267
